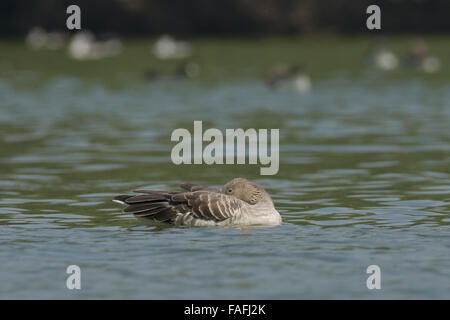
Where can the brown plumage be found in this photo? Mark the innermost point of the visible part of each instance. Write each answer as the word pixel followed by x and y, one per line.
pixel 237 203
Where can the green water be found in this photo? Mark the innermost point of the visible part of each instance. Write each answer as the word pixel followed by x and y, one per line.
pixel 364 173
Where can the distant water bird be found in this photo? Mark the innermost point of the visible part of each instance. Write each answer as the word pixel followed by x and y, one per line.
pixel 290 77
pixel 382 58
pixel 188 69
pixel 39 39
pixel 166 47
pixel 420 58
pixel 184 70
pixel 151 75
pixel 239 203
pixel 85 46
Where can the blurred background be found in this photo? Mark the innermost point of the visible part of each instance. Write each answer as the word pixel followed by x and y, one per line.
pixel 233 17
pixel 272 40
pixel 364 120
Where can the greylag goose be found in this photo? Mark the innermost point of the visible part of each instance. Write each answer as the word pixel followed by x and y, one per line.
pixel 419 58
pixel 239 203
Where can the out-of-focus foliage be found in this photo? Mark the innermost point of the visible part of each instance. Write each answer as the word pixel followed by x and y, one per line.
pixel 206 17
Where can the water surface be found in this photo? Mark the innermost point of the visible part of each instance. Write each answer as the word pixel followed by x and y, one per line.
pixel 364 174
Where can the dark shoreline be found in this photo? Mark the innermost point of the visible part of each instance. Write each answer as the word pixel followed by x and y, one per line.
pixel 231 17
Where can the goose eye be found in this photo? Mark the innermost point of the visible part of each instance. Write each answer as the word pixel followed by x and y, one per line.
pixel 230 190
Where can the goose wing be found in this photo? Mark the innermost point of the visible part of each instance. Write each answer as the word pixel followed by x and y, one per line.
pixel 210 205
pixel 167 206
